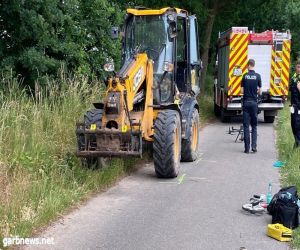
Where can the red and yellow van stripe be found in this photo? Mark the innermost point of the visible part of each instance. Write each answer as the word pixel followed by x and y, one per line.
pixel 285 72
pixel 272 84
pixel 275 88
pixel 280 68
pixel 238 57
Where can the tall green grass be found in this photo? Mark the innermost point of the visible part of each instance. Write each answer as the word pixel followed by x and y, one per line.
pixel 206 101
pixel 290 173
pixel 39 175
pixel 206 109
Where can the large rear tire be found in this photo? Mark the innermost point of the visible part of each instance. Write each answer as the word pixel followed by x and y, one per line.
pixel 93 116
pixel 189 147
pixel 269 119
pixel 217 110
pixel 167 144
pixel 224 116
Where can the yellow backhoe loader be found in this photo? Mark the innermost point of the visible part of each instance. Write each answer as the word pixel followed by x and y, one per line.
pixel 152 98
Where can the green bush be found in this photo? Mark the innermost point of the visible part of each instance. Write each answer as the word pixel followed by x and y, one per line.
pixel 38 37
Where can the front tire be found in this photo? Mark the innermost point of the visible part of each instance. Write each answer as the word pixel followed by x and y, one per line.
pixel 93 116
pixel 167 144
pixel 189 149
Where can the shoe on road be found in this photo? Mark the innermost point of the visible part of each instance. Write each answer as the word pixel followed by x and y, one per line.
pixel 253 208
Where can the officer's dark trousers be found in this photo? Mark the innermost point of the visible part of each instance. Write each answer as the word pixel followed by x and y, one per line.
pixel 295 123
pixel 250 117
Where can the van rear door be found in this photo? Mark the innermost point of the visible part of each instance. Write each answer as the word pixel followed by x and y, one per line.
pixel 262 54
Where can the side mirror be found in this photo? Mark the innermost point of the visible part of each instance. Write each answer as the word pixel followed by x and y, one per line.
pixel 109 67
pixel 114 33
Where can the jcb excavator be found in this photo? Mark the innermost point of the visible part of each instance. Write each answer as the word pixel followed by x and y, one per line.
pixel 152 98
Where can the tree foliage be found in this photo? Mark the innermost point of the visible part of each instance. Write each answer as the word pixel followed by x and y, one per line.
pixel 38 37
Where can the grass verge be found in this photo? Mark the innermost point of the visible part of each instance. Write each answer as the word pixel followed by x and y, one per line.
pixel 290 173
pixel 206 104
pixel 39 175
pixel 206 101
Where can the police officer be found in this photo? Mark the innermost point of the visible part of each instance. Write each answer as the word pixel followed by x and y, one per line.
pixel 250 88
pixel 295 104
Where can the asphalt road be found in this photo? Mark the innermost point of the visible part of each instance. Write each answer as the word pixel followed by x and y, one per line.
pixel 203 212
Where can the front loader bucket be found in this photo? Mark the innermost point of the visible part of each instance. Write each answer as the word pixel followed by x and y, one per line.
pixel 107 142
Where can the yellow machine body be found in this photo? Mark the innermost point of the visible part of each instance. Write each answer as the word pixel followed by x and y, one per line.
pixel 155 88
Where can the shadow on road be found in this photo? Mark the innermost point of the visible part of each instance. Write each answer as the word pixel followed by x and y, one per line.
pixel 239 120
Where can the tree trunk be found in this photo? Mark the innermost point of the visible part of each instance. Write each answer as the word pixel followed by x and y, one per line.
pixel 207 38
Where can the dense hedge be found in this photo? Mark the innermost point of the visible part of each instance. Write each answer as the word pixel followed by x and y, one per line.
pixel 39 37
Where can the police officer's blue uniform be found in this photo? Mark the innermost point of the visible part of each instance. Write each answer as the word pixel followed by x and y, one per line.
pixel 251 81
pixel 295 111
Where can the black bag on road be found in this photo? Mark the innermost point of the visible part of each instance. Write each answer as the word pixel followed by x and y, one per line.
pixel 283 207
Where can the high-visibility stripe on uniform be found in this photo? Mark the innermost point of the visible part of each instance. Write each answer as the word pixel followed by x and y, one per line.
pixel 286 52
pixel 238 56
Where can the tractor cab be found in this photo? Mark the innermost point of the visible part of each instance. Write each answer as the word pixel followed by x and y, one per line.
pixel 170 38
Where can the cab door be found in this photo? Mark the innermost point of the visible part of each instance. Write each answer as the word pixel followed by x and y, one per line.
pixel 194 57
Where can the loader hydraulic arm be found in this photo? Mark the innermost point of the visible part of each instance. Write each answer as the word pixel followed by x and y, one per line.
pixel 133 81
